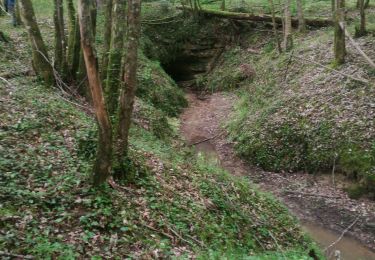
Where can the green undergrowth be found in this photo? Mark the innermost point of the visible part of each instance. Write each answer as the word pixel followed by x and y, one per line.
pixel 295 116
pixel 320 8
pixel 175 205
pixel 157 88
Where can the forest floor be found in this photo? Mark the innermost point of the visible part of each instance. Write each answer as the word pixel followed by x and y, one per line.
pixel 311 198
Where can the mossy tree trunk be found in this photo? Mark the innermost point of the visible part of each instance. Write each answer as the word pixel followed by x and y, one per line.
pixel 361 29
pixel 113 80
pixel 103 163
pixel 60 40
pixel 41 62
pixel 74 39
pixel 339 40
pixel 301 17
pixel 128 89
pixel 288 37
pixel 107 36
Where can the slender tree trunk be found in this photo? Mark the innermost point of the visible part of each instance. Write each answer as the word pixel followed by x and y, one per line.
pixel 103 164
pixel 130 77
pixel 288 38
pixel 367 4
pixel 274 26
pixel 41 62
pixel 361 29
pixel 222 7
pixel 339 41
pixel 107 37
pixel 301 17
pixel 60 41
pixel 18 14
pixel 113 81
pixel 73 38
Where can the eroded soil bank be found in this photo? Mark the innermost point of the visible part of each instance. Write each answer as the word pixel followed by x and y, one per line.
pixel 326 209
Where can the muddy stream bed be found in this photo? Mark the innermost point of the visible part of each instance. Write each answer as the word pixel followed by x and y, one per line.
pixel 325 211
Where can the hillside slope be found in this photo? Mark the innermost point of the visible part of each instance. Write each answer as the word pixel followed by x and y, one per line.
pixel 174 205
pixel 298 112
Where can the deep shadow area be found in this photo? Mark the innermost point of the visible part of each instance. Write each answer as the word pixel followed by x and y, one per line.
pixel 186 67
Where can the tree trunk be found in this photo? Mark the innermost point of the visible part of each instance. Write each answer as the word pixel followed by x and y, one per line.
pixel 41 62
pixel 288 38
pixel 361 30
pixel 103 163
pixel 107 37
pixel 73 40
pixel 17 17
pixel 60 41
pixel 367 4
pixel 339 41
pixel 115 55
pixel 222 7
pixel 301 17
pixel 130 78
pixel 274 26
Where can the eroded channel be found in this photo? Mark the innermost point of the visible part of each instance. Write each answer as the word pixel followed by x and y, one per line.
pixel 201 127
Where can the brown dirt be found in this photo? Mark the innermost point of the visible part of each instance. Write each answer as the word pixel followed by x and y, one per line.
pixel 311 198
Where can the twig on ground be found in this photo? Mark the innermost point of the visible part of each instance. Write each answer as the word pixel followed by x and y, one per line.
pixel 158 231
pixel 7 254
pixel 117 187
pixel 365 81
pixel 343 233
pixel 311 194
pixel 355 45
pixel 7 82
pixel 287 65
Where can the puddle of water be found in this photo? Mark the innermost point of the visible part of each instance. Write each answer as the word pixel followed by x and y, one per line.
pixel 350 249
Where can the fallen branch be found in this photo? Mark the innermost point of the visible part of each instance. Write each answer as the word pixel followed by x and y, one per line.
pixel 117 187
pixel 311 194
pixel 355 45
pixel 158 231
pixel 10 75
pixel 208 139
pixel 7 82
pixel 342 234
pixel 313 22
pixel 7 254
pixel 364 81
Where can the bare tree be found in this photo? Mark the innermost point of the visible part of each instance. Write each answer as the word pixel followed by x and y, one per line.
pixel 339 40
pixel 103 163
pixel 60 40
pixel 74 40
pixel 115 54
pixel 361 29
pixel 222 6
pixel 274 26
pixel 130 80
pixel 41 62
pixel 107 37
pixel 288 37
pixel 301 17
